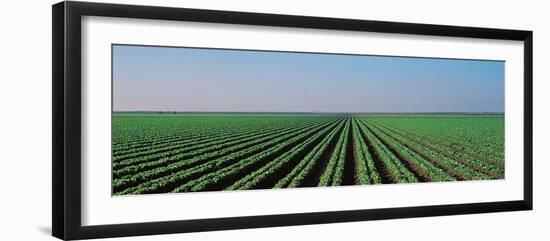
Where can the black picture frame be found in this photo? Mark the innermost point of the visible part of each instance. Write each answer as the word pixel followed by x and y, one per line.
pixel 66 75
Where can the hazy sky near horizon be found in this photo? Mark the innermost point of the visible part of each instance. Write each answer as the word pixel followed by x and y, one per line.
pixel 189 79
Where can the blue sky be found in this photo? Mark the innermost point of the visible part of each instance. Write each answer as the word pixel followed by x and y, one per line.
pixel 189 79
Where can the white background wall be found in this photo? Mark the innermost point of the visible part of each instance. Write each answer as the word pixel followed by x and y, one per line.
pixel 25 126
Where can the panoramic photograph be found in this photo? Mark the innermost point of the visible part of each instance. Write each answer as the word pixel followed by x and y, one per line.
pixel 200 119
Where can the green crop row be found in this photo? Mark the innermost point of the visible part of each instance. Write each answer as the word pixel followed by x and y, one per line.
pixel 213 165
pixel 191 151
pixel 493 171
pixel 199 152
pixel 200 162
pixel 183 141
pixel 304 167
pixel 364 162
pixel 267 170
pixel 332 172
pixel 396 170
pixel 483 136
pixel 423 167
pixel 494 167
pixel 185 159
pixel 340 166
pixel 215 131
pixel 139 131
pixel 452 166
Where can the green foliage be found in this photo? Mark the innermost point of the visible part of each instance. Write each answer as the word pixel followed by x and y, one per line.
pixel 156 153
pixel 334 168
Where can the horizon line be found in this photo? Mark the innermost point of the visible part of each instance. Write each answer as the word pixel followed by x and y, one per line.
pixel 312 112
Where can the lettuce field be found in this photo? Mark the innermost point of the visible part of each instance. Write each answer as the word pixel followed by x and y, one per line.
pixel 161 153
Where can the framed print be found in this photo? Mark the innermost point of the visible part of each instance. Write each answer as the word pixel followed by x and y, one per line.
pixel 169 120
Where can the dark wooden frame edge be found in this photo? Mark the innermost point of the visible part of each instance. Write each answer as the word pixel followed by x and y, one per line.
pixel 66 125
